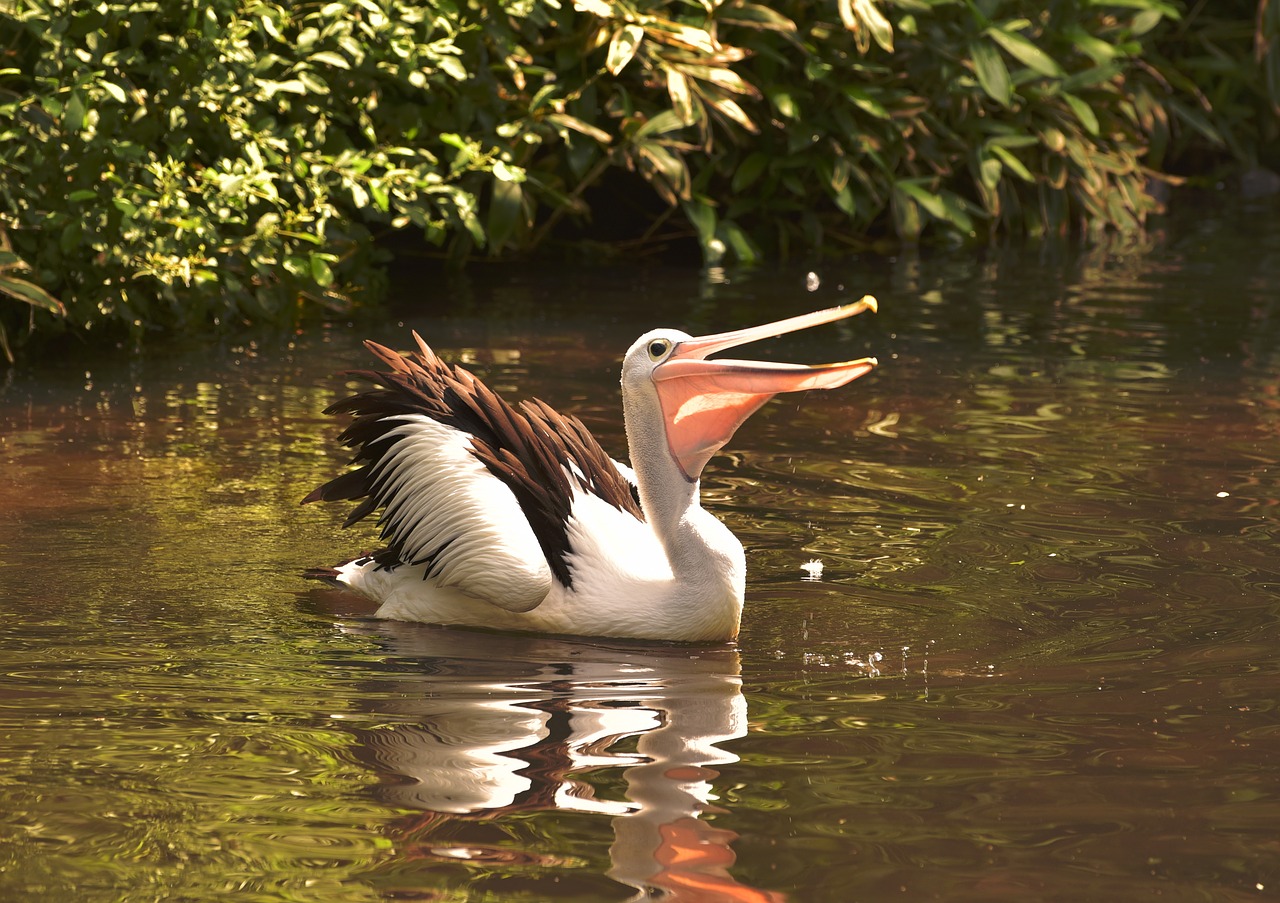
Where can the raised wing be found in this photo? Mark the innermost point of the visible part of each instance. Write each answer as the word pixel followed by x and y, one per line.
pixel 476 490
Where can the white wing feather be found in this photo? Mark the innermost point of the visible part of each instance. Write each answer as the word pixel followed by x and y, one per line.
pixel 438 494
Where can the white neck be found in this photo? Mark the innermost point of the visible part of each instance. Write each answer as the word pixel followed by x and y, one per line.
pixel 705 557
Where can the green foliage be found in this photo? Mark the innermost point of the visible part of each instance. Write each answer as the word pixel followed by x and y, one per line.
pixel 24 291
pixel 234 160
pixel 225 160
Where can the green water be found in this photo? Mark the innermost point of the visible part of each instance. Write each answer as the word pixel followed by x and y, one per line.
pixel 1041 663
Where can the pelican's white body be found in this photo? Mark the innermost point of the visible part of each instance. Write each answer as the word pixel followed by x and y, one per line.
pixel 627 582
pixel 676 573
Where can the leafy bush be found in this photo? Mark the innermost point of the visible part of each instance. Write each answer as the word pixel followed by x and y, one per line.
pixel 234 160
pixel 162 163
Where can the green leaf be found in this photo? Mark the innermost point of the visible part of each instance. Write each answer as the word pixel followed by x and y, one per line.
pixel 925 198
pixel 784 103
pixel 845 201
pixel 1144 21
pixel 1083 112
pixel 702 215
pixel 321 272
pixel 505 210
pixel 1165 9
pixel 749 171
pixel 665 122
pixel 1087 78
pixel 864 101
pixel 992 73
pixel 1013 163
pixel 1091 46
pixel 30 293
pixel 906 216
pixel 956 212
pixel 737 240
pixel 73 113
pixel 1025 51
pixel 1197 121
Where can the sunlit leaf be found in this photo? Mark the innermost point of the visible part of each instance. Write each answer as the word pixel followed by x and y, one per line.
pixel 595 7
pixel 453 67
pixel 863 17
pixel 116 92
pixel 661 124
pixel 504 172
pixel 682 35
pixel 626 41
pixel 754 15
pixel 730 108
pixel 574 123
pixel 329 58
pixel 681 97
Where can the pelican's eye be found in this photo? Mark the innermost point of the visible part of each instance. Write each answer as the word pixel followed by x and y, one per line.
pixel 658 348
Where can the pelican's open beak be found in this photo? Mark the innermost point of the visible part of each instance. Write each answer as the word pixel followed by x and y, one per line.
pixel 704 402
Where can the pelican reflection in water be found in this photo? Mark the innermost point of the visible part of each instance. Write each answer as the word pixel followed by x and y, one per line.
pixel 481 726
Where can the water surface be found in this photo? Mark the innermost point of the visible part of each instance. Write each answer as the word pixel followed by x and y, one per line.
pixel 1041 662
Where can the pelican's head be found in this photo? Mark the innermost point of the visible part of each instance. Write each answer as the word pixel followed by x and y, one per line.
pixel 702 402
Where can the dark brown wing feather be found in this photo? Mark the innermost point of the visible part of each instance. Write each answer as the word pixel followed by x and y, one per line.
pixel 541 455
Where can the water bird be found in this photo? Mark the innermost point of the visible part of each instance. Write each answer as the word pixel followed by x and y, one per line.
pixel 512 517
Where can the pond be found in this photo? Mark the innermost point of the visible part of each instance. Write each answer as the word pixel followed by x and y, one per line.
pixel 1041 662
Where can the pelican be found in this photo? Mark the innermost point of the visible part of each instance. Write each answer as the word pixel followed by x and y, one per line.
pixel 514 518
